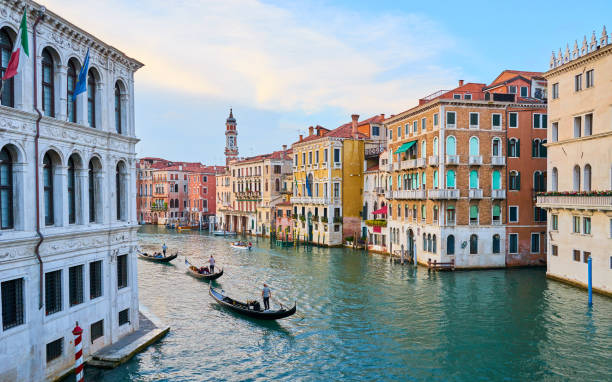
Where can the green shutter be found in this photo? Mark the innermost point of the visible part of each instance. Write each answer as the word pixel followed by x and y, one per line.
pixel 450 118
pixel 450 179
pixel 496 180
pixel 496 210
pixel 536 121
pixel 450 146
pixel 473 212
pixel 474 146
pixel 435 180
pixel 496 120
pixel 473 179
pixel 544 121
pixel 513 117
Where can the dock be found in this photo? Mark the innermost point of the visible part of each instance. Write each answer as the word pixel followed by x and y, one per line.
pixel 436 266
pixel 150 330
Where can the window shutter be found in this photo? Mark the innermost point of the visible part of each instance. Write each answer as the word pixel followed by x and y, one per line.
pixel 518 180
pixel 534 148
pixel 518 148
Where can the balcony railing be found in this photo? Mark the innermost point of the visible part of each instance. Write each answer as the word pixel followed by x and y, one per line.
pixel 443 194
pixel 396 166
pixel 475 160
pixel 379 190
pixel 498 160
pixel 452 159
pixel 475 193
pixel 407 164
pixel 498 194
pixel 421 162
pixel 386 167
pixel 388 194
pixel 409 194
pixel 433 160
pixel 159 208
pixel 603 203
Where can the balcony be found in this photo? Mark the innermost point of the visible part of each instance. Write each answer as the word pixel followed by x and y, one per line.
pixel 248 196
pixel 475 193
pixel 498 194
pixel 498 160
pixel 452 159
pixel 310 200
pixel 433 160
pixel 578 202
pixel 409 194
pixel 163 207
pixel 386 167
pixel 396 166
pixel 443 194
pixel 407 164
pixel 475 160
pixel 379 190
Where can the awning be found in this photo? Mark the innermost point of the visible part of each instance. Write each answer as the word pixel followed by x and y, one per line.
pixel 405 147
pixel 382 210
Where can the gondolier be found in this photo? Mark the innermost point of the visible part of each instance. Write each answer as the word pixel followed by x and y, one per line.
pixel 164 248
pixel 211 261
pixel 266 293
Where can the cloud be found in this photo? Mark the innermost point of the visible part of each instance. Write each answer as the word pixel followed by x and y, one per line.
pixel 303 58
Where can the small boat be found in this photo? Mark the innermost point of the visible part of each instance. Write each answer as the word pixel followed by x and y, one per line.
pixel 192 270
pixel 242 246
pixel 251 309
pixel 224 233
pixel 157 258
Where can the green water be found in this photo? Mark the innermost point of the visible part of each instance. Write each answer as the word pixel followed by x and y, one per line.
pixel 363 318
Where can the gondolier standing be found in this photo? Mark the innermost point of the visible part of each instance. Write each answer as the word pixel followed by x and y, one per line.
pixel 164 248
pixel 266 294
pixel 211 261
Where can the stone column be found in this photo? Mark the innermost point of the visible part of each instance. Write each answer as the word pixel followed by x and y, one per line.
pixel 19 200
pixel 102 108
pixel 82 196
pixel 61 94
pixel 60 196
pixel 126 129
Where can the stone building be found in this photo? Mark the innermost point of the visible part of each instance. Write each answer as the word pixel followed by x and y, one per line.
pixel 67 197
pixel 375 183
pixel 579 197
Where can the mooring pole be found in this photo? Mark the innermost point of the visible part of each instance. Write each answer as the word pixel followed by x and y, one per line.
pixel 590 280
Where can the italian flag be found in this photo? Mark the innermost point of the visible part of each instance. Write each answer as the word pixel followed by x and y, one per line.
pixel 21 46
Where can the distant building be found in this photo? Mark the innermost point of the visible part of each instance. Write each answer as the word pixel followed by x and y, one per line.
pixel 579 197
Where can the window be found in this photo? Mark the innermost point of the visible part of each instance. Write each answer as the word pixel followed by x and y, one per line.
pixel 515 180
pixel 474 146
pixel 423 124
pixel 423 212
pixel 390 133
pixel 578 82
pixel 540 121
pixel 424 148
pixel 118 111
pixel 435 146
pixel 415 127
pixel 555 90
pixel 474 120
pixel 496 147
pixel 473 244
pixel 48 169
pixel 513 120
pixel 589 78
pixel 576 255
pixel 91 99
pixel 53 292
pixel 539 181
pixel 514 148
pixel 473 214
pixel 96 330
pixel 554 223
pixel 71 103
pixel 512 89
pixel 122 271
pixel 6 48
pixel 124 317
pixel 55 349
pixel 496 180
pixel 473 179
pixel 450 245
pixel 71 191
pixel 496 243
pixel 6 189
pixel 75 285
pixel 496 122
pixel 577 127
pixel 375 131
pixel 337 155
pixel 539 214
pixel 456 96
pixel 435 213
pixel 12 303
pixel 535 243
pixel 467 96
pixel 48 84
pixel 120 190
pixel 555 131
pixel 554 250
pixel 588 124
pixel 524 91
pixel 435 179
pixel 450 119
pixel 513 213
pixel 435 119
pixel 496 214
pixel 450 179
pixel 336 190
pixel 576 224
pixel 586 225
pixel 585 256
pixel 513 245
pixel 586 180
pixel 576 178
pixel 450 215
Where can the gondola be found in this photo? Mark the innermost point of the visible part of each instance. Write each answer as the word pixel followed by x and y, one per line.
pixel 201 276
pixel 250 310
pixel 156 259
pixel 236 245
pixel 224 233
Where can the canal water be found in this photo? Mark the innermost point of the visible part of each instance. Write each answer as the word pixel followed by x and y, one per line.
pixel 362 318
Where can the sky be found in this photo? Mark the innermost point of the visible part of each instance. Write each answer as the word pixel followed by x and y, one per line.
pixel 283 66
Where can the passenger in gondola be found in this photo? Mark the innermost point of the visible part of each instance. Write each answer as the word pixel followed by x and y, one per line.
pixel 266 293
pixel 203 271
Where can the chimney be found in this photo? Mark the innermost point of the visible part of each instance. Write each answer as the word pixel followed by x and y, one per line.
pixel 355 118
pixel 310 130
pixel 460 82
pixel 301 137
pixel 284 147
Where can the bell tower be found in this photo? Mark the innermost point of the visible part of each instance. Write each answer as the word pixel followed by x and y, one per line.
pixel 231 139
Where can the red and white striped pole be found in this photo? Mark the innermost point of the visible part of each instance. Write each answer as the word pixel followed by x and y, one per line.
pixel 78 355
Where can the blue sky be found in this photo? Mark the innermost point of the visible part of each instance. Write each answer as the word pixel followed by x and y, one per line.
pixel 284 66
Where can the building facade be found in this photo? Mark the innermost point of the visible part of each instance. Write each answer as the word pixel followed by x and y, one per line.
pixel 75 185
pixel 579 197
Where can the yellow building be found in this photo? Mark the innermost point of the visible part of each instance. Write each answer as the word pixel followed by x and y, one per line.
pixel 579 197
pixel 328 170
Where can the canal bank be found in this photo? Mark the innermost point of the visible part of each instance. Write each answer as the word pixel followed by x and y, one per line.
pixel 361 317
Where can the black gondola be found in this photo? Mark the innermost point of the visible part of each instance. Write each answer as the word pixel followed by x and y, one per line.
pixel 156 259
pixel 251 310
pixel 202 276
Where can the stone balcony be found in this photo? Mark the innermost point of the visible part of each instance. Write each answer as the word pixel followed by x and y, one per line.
pixel 475 193
pixel 443 194
pixel 433 160
pixel 396 166
pixel 570 202
pixel 475 160
pixel 498 194
pixel 452 159
pixel 386 167
pixel 412 163
pixel 409 194
pixel 310 200
pixel 379 190
pixel 498 160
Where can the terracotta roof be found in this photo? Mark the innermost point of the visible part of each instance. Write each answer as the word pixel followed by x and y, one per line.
pixel 280 154
pixel 343 131
pixel 508 75
pixel 373 168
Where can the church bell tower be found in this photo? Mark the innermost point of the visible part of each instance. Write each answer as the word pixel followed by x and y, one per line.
pixel 231 139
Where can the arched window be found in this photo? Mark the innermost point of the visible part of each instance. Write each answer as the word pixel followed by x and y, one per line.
pixel 6 189
pixel 539 181
pixel 423 149
pixel 48 84
pixel 120 191
pixel 429 243
pixel 451 148
pixel 450 245
pixel 435 146
pixel 176 187
pixel 433 241
pixel 48 189
pixel 535 148
pixel 576 178
pixel 171 203
pixel 515 180
pixel 71 104
pixel 473 214
pixel 94 188
pixel 496 147
pixel 91 99
pixel 118 111
pixel 473 244
pixel 399 182
pixel 423 180
pixel 586 179
pixel 450 179
pixel 435 179
pixel 543 152
pixel 424 242
pixel 473 179
pixel 474 146
pixel 277 185
pixel 496 243
pixel 6 48
pixel 514 148
pixel 496 180
pixel 554 182
pixel 71 191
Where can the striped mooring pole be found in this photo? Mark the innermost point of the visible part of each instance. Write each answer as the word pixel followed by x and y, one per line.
pixel 78 355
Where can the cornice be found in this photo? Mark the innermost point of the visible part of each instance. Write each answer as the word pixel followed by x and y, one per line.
pixel 573 64
pixel 581 139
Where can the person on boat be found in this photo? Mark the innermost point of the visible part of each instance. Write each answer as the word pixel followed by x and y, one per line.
pixel 211 261
pixel 203 270
pixel 266 293
pixel 250 245
pixel 164 248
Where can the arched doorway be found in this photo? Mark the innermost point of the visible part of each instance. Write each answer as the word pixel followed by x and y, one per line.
pixel 309 226
pixel 411 246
